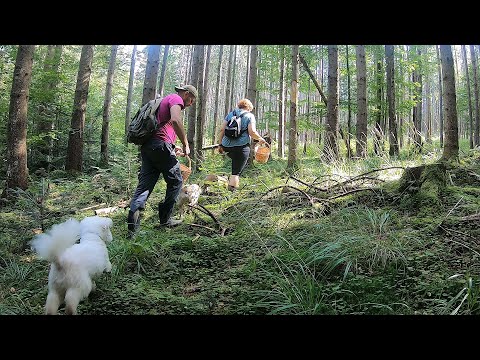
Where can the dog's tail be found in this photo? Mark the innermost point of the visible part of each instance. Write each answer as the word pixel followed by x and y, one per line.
pixel 50 245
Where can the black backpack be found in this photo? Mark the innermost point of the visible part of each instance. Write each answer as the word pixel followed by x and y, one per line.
pixel 144 123
pixel 233 129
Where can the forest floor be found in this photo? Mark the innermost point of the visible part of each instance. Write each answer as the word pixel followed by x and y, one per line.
pixel 327 239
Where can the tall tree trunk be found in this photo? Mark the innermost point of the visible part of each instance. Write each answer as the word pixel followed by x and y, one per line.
pixel 417 111
pixel 234 68
pixel 428 120
pixel 46 118
pixel 473 55
pixel 349 105
pixel 440 96
pixel 281 106
pixel 202 106
pixel 130 91
pixel 164 68
pixel 217 93
pixel 470 111
pixel 308 120
pixel 450 149
pixel 106 107
pixel 292 143
pixel 228 105
pixel 378 141
pixel 361 143
pixel 17 171
pixel 252 93
pixel 151 73
pixel 74 161
pixel 192 111
pixel 330 148
pixel 252 81
pixel 189 63
pixel 392 122
pixel 248 71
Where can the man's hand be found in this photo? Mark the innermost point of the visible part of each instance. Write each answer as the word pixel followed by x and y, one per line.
pixel 179 151
pixel 221 150
pixel 186 150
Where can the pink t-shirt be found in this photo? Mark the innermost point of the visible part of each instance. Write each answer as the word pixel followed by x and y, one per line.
pixel 166 131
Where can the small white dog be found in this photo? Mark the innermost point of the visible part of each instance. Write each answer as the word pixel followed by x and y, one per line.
pixel 73 265
pixel 188 196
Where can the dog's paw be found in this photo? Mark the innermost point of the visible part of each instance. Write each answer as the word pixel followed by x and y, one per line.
pixel 108 268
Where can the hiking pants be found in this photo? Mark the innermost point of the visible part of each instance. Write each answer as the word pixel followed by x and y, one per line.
pixel 239 156
pixel 158 157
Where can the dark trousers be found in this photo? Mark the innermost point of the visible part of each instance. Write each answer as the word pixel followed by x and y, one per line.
pixel 239 156
pixel 158 157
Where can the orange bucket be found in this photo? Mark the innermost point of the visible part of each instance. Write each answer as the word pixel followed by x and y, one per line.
pixel 262 153
pixel 186 170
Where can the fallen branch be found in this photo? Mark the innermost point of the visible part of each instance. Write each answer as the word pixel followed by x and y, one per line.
pixel 355 178
pixel 291 187
pixel 310 186
pixel 205 211
pixel 203 227
pixel 92 207
pixel 105 211
pixel 349 192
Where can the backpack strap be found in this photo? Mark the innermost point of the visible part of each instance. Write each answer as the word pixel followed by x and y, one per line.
pixel 241 115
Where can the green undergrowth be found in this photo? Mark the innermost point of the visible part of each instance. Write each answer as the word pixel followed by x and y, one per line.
pixel 384 251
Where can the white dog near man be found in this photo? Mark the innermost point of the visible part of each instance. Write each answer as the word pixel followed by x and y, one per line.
pixel 74 265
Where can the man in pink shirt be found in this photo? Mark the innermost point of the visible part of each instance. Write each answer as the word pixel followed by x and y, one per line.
pixel 159 157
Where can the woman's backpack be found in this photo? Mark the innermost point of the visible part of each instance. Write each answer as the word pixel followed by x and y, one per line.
pixel 233 129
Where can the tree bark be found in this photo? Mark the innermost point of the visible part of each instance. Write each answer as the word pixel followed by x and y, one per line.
pixel 473 55
pixel 361 142
pixel 217 93
pixel 281 106
pixel 330 148
pixel 74 161
pixel 164 68
pixel 292 143
pixel 130 91
pixel 17 171
pixel 151 73
pixel 192 110
pixel 106 107
pixel 450 149
pixel 440 96
pixel 228 105
pixel 392 123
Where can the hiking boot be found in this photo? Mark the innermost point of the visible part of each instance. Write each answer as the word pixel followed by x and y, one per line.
pixel 171 222
pixel 133 221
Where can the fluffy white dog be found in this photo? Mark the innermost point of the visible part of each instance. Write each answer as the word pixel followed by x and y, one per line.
pixel 188 196
pixel 73 265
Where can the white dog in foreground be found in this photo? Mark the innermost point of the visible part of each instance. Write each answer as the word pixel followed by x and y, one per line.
pixel 73 265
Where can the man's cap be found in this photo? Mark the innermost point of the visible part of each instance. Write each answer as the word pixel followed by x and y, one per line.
pixel 189 88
